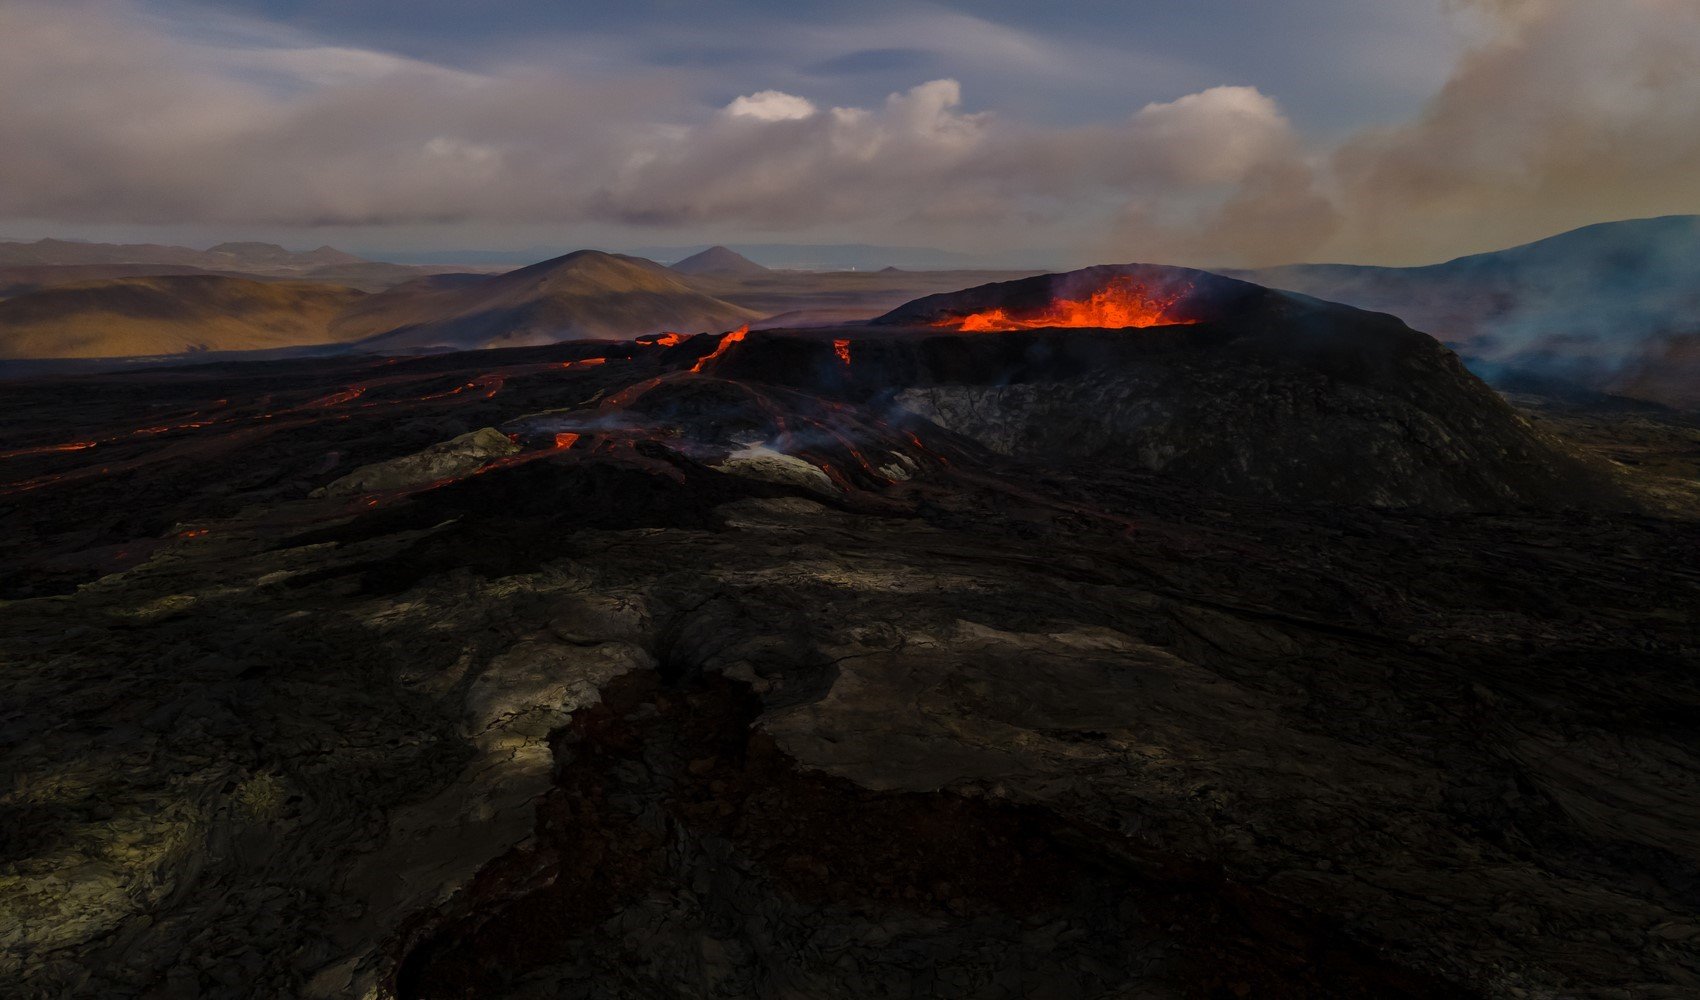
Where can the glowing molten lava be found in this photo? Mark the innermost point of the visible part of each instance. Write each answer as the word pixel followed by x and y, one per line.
pixel 336 398
pixel 1120 304
pixel 48 449
pixel 842 349
pixel 725 345
pixel 662 339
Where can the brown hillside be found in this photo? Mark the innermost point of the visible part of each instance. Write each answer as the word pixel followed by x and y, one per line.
pixel 582 296
pixel 169 315
pixel 57 262
pixel 21 279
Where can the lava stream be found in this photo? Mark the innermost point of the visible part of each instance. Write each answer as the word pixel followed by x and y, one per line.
pixel 725 345
pixel 48 449
pixel 345 396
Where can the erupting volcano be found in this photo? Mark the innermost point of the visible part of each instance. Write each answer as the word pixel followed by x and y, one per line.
pixel 878 617
pixel 1122 303
pixel 959 603
pixel 1105 297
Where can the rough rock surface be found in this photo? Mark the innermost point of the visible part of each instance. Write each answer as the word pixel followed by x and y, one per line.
pixel 1256 392
pixel 451 459
pixel 1272 432
pixel 767 465
pixel 602 721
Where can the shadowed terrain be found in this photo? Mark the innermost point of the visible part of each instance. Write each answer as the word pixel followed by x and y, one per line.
pixel 807 663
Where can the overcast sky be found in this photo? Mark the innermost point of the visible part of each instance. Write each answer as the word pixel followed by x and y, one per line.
pixel 1196 131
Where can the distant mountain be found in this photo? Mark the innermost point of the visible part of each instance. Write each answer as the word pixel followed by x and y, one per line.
pixel 1613 307
pixel 225 256
pixel 778 256
pixel 854 256
pixel 21 279
pixel 367 275
pixel 719 260
pixel 52 251
pixel 172 314
pixel 251 254
pixel 469 259
pixel 584 295
pixel 31 265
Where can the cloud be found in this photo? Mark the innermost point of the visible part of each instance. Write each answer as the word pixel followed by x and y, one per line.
pixel 164 129
pixel 1562 112
pixel 922 164
pixel 1568 112
pixel 1215 136
pixel 771 106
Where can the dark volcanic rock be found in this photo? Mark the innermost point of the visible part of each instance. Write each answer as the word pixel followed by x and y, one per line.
pixel 612 716
pixel 1280 432
pixel 1260 393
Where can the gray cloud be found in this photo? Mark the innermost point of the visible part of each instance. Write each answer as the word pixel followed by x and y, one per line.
pixel 1568 112
pixel 1561 113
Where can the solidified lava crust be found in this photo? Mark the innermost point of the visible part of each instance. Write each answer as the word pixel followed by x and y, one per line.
pixel 656 769
pixel 1267 655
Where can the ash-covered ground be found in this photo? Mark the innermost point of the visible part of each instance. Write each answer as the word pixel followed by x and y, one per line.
pixel 1271 655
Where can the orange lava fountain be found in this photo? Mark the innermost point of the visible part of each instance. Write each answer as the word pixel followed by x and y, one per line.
pixel 1121 304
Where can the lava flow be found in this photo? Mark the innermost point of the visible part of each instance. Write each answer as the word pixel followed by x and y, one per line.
pixel 48 449
pixel 1121 304
pixel 336 398
pixel 725 345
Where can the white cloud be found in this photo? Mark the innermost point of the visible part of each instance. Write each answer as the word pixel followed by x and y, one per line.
pixel 771 106
pixel 163 130
pixel 1215 136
